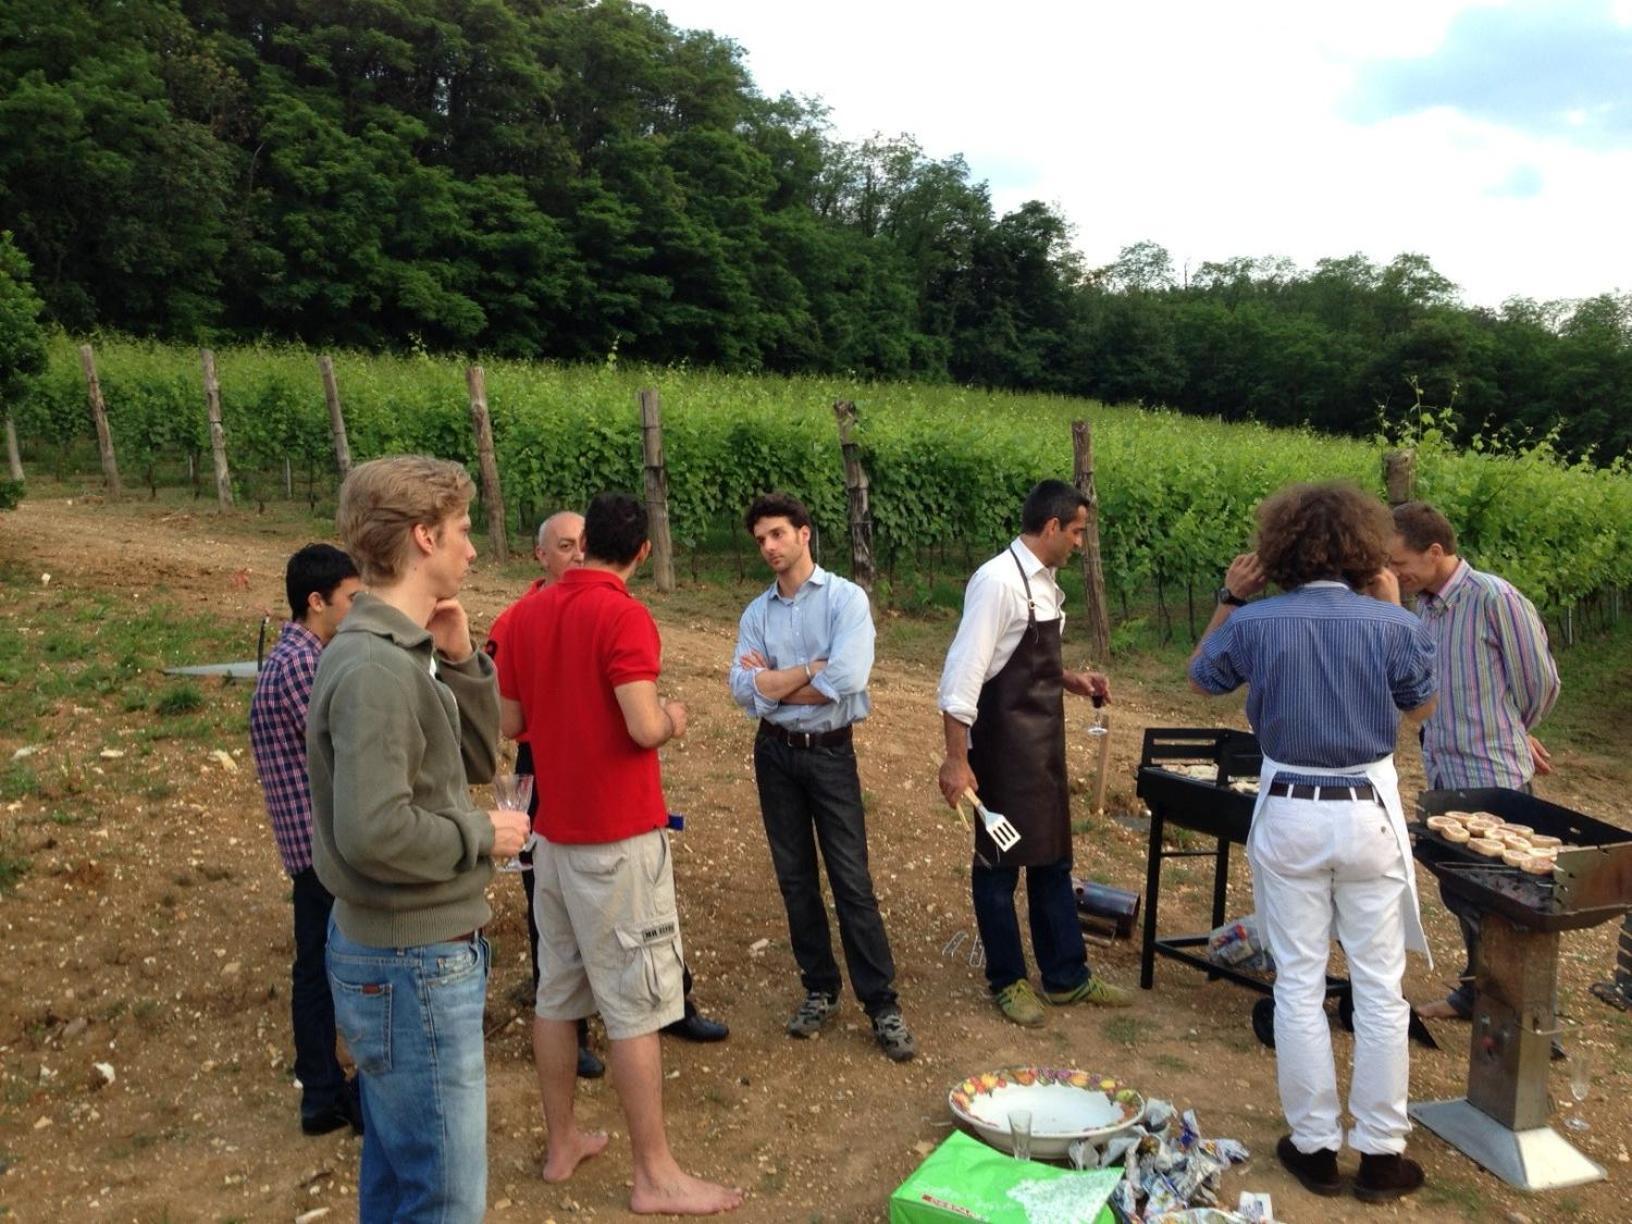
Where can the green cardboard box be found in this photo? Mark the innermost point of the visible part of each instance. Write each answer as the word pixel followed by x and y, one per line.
pixel 965 1180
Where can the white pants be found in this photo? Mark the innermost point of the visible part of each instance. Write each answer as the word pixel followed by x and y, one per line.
pixel 1323 869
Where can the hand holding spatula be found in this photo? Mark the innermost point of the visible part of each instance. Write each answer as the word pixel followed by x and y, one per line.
pixel 1003 834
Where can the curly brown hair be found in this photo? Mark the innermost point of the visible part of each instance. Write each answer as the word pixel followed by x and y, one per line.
pixel 1314 532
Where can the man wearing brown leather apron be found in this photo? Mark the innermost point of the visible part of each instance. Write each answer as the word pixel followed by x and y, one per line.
pixel 1003 710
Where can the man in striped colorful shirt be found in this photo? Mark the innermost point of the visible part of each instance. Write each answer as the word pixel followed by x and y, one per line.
pixel 1497 680
pixel 319 581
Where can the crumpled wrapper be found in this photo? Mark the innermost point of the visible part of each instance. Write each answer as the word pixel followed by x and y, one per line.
pixel 1173 1174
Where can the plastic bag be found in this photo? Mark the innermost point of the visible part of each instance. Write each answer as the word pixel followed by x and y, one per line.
pixel 1241 945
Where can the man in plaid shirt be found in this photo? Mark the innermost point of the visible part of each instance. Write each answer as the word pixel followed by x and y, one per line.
pixel 320 580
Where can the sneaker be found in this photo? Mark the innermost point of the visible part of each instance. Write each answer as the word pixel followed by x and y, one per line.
pixel 815 1011
pixel 1384 1178
pixel 1019 1003
pixel 1095 990
pixel 892 1034
pixel 1316 1171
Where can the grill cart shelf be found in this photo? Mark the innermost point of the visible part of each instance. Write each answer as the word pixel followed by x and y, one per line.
pixel 1502 1122
pixel 1213 809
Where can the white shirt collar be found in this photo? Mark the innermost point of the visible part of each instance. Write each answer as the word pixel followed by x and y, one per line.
pixel 1029 561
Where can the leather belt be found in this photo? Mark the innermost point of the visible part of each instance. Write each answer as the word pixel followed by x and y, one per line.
pixel 1364 793
pixel 467 937
pixel 804 739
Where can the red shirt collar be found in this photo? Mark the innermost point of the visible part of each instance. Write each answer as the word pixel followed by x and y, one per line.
pixel 583 576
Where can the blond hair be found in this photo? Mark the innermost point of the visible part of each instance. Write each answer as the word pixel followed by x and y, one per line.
pixel 383 500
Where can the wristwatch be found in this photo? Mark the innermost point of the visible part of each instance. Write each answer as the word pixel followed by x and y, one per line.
pixel 1225 596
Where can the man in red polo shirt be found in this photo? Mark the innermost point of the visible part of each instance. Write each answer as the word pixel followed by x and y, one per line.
pixel 559 547
pixel 580 667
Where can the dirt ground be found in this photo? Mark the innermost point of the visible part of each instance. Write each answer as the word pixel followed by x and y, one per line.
pixel 153 937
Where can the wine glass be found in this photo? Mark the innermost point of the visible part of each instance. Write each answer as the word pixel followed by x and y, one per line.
pixel 1098 727
pixel 512 792
pixel 1580 1085
pixel 1020 1133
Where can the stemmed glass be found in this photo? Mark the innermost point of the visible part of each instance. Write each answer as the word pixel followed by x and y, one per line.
pixel 1580 1085
pixel 1098 728
pixel 1020 1133
pixel 513 792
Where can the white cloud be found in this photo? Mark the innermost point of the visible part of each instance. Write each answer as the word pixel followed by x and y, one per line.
pixel 1213 129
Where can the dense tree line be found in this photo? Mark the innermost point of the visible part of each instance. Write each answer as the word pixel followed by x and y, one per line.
pixel 568 179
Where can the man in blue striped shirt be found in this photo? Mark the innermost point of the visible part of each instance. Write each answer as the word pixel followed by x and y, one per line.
pixel 804 653
pixel 1330 665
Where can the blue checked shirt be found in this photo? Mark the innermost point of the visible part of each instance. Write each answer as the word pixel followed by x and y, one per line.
pixel 828 618
pixel 277 736
pixel 1327 672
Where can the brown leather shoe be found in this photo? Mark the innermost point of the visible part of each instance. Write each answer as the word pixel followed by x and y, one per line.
pixel 1316 1171
pixel 1385 1178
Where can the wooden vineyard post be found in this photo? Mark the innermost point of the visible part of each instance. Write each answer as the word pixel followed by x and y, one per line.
pixel 218 434
pixel 14 459
pixel 657 488
pixel 1400 476
pixel 337 420
pixel 492 496
pixel 1093 570
pixel 99 417
pixel 862 569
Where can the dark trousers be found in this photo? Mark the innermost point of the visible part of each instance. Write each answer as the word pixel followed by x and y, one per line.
pixel 1468 917
pixel 810 798
pixel 1056 937
pixel 311 1006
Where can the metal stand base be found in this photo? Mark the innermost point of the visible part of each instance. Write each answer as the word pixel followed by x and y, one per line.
pixel 1538 1159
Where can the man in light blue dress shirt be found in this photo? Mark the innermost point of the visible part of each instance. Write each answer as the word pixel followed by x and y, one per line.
pixel 804 653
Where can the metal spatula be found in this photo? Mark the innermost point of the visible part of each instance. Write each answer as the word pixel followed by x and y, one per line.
pixel 1003 834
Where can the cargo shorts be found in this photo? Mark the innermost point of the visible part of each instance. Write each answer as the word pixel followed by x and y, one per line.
pixel 608 933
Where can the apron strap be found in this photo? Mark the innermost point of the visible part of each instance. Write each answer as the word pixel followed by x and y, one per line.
pixel 1031 604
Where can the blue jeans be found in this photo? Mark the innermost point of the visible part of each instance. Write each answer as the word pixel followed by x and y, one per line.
pixel 1056 937
pixel 412 1018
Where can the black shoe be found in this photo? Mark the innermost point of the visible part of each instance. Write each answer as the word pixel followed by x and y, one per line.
pixel 345 1110
pixel 1316 1171
pixel 694 1026
pixel 589 1066
pixel 1385 1178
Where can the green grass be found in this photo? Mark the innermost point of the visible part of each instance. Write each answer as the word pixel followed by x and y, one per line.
pixel 13 867
pixel 1456 1195
pixel 183 698
pixel 1128 1030
pixel 19 781
pixel 1595 704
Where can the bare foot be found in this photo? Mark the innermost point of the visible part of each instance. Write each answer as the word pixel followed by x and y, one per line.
pixel 683 1195
pixel 565 1155
pixel 1439 1009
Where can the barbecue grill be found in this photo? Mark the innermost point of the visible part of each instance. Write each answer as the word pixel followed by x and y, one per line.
pixel 1213 806
pixel 1502 1122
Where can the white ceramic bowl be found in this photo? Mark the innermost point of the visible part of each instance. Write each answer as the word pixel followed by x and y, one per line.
pixel 1066 1105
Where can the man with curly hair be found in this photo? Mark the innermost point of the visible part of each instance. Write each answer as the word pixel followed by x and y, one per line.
pixel 1330 664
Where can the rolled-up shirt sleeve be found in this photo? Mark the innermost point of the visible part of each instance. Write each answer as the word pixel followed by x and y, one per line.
pixel 750 636
pixel 850 654
pixel 1215 667
pixel 985 609
pixel 1412 677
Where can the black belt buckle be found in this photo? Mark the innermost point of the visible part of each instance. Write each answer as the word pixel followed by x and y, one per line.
pixel 808 738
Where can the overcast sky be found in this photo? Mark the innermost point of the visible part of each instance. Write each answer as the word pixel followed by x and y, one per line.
pixel 1494 138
